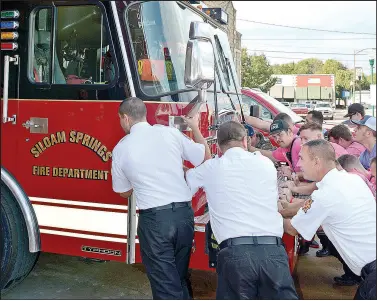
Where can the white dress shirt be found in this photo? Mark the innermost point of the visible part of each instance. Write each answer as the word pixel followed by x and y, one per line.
pixel 242 194
pixel 346 209
pixel 150 161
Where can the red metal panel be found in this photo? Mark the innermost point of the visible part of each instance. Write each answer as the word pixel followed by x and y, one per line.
pixel 314 80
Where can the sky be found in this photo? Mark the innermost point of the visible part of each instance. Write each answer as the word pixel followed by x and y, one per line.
pixel 350 16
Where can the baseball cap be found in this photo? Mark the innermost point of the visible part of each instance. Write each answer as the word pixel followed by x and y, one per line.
pixel 277 126
pixel 250 130
pixel 367 121
pixel 355 108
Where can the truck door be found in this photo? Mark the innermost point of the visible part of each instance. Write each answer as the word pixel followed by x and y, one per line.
pixel 10 67
pixel 64 145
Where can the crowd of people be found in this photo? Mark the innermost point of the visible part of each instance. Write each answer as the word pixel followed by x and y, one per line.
pixel 329 192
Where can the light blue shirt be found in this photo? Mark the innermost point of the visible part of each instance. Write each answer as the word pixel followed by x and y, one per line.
pixel 366 156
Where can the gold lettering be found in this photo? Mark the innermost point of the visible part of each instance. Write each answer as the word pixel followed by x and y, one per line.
pixel 47 142
pixel 72 136
pixel 106 157
pixel 91 142
pixel 106 173
pixel 61 137
pixel 86 139
pixel 55 171
pixel 53 140
pixel 65 172
pixel 77 173
pixel 89 174
pixel 35 152
pixel 41 146
pixel 60 172
pixel 79 137
pixel 70 173
pixel 96 145
pixel 102 150
pixel 95 174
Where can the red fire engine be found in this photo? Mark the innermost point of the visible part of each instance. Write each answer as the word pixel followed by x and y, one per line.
pixel 66 67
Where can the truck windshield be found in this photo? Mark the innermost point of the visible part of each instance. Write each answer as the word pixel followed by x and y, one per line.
pixel 159 32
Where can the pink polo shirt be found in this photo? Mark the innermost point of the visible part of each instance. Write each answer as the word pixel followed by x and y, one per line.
pixel 280 154
pixel 372 186
pixel 339 150
pixel 355 149
pixel 295 130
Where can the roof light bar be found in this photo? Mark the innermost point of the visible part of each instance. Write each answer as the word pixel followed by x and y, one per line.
pixel 9 35
pixel 9 24
pixel 9 46
pixel 10 14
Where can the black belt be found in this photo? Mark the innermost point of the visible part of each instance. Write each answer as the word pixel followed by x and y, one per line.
pixel 165 207
pixel 251 240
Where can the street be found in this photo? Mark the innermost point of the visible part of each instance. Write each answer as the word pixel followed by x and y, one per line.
pixel 66 277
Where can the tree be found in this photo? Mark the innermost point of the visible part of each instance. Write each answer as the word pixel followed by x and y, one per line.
pixel 309 66
pixel 343 80
pixel 369 78
pixel 288 68
pixel 256 71
pixel 332 66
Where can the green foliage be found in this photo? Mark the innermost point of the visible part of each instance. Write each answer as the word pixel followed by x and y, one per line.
pixel 309 66
pixel 332 66
pixel 256 71
pixel 288 68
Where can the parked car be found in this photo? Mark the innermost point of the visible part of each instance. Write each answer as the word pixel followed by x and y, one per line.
pixel 285 103
pixel 326 110
pixel 300 109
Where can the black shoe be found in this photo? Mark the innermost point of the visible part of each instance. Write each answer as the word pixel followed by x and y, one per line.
pixel 322 253
pixel 304 248
pixel 346 280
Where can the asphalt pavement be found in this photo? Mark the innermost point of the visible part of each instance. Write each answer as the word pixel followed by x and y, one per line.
pixel 66 277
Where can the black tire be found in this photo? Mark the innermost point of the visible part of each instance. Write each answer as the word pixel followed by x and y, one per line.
pixel 16 260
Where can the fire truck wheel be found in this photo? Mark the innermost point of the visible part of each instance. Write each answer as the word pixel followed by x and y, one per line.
pixel 16 260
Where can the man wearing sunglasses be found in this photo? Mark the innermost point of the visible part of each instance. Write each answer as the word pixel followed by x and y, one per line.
pixel 356 112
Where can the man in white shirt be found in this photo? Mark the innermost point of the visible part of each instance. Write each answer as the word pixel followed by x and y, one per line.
pixel 242 194
pixel 345 208
pixel 148 162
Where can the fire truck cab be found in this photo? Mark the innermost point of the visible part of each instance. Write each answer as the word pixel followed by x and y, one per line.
pixel 66 67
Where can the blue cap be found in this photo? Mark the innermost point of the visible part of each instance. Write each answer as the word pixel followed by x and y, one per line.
pixel 367 121
pixel 249 129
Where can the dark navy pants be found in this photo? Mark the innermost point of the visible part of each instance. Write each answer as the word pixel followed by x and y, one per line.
pixel 166 238
pixel 254 272
pixel 367 287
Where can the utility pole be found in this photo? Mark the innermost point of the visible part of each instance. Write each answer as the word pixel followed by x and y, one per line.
pixel 371 63
pixel 354 76
pixel 359 75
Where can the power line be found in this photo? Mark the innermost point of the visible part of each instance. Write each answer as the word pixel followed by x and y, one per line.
pixel 306 28
pixel 304 58
pixel 326 53
pixel 296 46
pixel 298 39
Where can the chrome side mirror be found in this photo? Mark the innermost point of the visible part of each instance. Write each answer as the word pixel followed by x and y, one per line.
pixel 200 64
pixel 201 31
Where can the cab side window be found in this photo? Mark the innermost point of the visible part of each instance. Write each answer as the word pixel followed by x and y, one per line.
pixel 248 101
pixel 80 49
